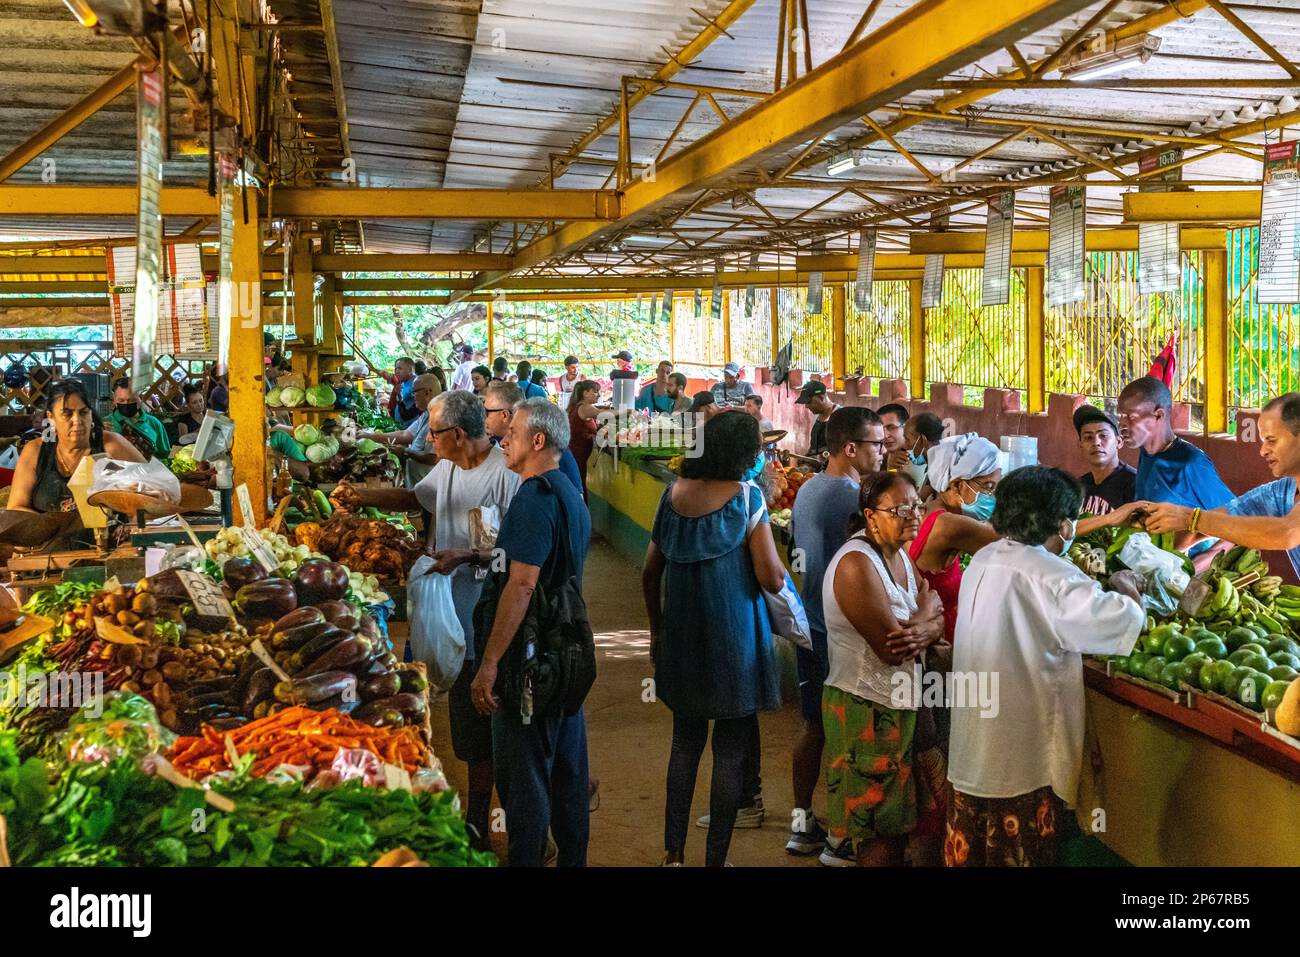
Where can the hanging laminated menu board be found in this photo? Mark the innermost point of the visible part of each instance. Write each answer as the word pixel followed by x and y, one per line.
pixel 715 296
pixel 1065 251
pixel 119 264
pixel 996 288
pixel 1159 265
pixel 749 289
pixel 184 301
pixel 932 281
pixel 866 270
pixel 1279 226
pixel 225 258
pixel 813 301
pixel 667 314
pixel 210 311
pixel 150 90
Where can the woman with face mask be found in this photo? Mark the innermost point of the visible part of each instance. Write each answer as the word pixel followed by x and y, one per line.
pixel 44 467
pixel 963 471
pixel 1026 618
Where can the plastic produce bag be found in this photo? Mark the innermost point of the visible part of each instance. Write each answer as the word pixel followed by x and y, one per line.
pixel 1161 572
pixel 436 636
pixel 118 725
pixel 151 478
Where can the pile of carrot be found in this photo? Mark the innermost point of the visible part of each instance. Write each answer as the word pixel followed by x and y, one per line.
pixel 297 736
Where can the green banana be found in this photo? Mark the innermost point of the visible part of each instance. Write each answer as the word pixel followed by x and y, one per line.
pixel 1272 624
pixel 1291 592
pixel 1222 595
pixel 1229 558
pixel 1248 559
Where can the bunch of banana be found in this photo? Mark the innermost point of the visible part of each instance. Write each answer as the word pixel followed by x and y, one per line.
pixel 1090 559
pixel 1287 603
pixel 1226 603
pixel 1268 587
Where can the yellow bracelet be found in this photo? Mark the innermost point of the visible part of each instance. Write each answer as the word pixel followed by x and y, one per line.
pixel 1196 517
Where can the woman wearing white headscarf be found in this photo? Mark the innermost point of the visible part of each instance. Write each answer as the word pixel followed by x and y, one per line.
pixel 963 471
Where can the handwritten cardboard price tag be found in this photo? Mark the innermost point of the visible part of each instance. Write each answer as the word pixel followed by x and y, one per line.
pixel 206 595
pixel 259 549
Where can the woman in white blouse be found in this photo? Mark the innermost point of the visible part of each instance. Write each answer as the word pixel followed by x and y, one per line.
pixel 1025 618
pixel 880 618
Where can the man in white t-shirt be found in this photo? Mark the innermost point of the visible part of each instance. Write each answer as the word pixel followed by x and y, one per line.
pixel 460 379
pixel 470 473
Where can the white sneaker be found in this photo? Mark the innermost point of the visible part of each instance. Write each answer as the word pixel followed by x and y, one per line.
pixel 839 856
pixel 810 840
pixel 747 818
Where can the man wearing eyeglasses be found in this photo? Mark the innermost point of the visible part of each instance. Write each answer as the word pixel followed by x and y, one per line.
pixel 819 524
pixel 499 405
pixel 410 443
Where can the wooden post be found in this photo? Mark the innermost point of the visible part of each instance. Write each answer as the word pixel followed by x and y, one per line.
pixel 1035 342
pixel 838 308
pixel 1216 341
pixel 916 352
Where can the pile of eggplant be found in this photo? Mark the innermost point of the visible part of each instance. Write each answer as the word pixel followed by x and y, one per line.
pixel 334 655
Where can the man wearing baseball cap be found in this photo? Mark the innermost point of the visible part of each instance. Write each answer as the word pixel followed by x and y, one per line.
pixel 622 363
pixel 731 390
pixel 1109 483
pixel 462 378
pixel 813 394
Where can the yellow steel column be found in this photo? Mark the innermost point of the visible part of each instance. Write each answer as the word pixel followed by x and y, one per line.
pixel 1035 342
pixel 304 310
pixel 776 323
pixel 247 389
pixel 1216 340
pixel 672 327
pixel 726 326
pixel 837 336
pixel 916 352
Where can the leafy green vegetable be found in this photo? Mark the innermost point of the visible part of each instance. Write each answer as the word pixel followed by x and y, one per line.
pixel 52 602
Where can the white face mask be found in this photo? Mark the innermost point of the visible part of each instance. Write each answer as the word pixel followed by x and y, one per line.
pixel 915 471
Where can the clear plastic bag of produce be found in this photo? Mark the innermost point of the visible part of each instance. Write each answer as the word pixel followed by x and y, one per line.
pixel 1161 572
pixel 117 725
pixel 436 636
pixel 351 764
pixel 151 478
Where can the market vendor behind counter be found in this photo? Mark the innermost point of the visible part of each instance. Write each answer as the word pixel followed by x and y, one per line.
pixel 44 467
pixel 138 427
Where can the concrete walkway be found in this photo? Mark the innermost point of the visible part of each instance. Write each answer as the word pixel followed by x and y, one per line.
pixel 629 740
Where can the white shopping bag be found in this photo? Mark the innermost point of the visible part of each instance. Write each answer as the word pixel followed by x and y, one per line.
pixel 436 636
pixel 9 457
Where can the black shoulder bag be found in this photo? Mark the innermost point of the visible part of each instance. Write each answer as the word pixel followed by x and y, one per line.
pixel 551 664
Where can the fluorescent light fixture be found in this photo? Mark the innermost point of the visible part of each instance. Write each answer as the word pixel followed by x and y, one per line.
pixel 1106 59
pixel 850 159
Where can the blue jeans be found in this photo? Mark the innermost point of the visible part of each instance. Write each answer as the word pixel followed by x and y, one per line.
pixel 541 778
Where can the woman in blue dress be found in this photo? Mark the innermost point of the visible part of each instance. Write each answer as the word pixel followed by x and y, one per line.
pixel 711 554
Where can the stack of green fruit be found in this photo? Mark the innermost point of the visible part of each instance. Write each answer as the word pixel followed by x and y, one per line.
pixel 1267 601
pixel 1248 664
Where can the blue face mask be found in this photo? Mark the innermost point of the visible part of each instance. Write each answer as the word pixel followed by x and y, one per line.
pixel 981 509
pixel 754 470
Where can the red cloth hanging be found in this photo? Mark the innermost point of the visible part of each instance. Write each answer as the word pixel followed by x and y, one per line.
pixel 1165 365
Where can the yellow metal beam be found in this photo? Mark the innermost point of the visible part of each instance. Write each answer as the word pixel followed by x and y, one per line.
pixel 1035 343
pixel 68 120
pixel 1035 241
pixel 1216 341
pixel 34 317
pixel 37 265
pixel 100 201
pixel 460 204
pixel 1200 206
pixel 935 38
pixel 408 262
pixel 916 349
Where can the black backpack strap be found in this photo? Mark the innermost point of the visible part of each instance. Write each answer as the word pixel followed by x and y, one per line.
pixel 563 531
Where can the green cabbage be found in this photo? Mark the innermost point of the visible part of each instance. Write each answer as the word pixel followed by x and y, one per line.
pixel 273 396
pixel 318 453
pixel 291 395
pixel 307 434
pixel 332 442
pixel 321 396
pixel 366 446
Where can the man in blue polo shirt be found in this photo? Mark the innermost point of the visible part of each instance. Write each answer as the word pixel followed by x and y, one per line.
pixel 1267 517
pixel 1170 469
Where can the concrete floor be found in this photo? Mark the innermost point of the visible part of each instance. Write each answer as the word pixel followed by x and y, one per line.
pixel 628 741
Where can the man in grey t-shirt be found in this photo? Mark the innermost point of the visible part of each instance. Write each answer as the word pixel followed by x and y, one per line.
pixel 819 524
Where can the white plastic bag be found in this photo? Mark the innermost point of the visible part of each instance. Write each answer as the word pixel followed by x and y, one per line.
pixel 150 478
pixel 9 458
pixel 1162 573
pixel 436 636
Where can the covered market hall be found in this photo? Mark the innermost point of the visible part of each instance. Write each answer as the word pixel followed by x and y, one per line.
pixel 770 433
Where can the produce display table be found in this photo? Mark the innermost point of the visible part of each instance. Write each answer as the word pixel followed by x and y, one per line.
pixel 1185 786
